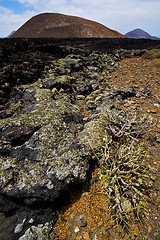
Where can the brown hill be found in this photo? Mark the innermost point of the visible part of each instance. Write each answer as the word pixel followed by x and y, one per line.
pixel 54 25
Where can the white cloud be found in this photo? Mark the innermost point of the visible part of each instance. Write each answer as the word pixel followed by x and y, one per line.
pixel 121 15
pixel 43 4
pixel 9 21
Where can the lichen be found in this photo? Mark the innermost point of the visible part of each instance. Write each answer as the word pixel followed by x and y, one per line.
pixel 50 154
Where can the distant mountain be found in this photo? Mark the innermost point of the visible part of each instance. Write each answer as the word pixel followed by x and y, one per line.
pixel 139 33
pixel 54 25
pixel 11 34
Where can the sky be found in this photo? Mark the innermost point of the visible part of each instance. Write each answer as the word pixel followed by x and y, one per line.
pixel 120 15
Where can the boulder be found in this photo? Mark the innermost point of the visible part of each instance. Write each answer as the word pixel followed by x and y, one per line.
pixel 40 153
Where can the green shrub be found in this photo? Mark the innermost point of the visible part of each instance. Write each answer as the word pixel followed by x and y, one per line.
pixel 125 178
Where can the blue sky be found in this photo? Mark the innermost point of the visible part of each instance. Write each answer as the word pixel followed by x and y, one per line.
pixel 14 5
pixel 120 15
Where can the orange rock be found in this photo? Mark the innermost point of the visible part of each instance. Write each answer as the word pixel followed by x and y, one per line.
pixel 86 236
pixel 71 216
pixel 100 224
pixel 153 111
pixel 61 90
pixel 149 229
pixel 54 90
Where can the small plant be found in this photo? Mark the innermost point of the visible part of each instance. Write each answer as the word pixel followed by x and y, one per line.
pixel 124 177
pixel 124 124
pixel 61 217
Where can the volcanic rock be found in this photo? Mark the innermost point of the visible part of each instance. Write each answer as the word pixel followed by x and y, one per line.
pixel 54 25
pixel 46 128
pixel 44 143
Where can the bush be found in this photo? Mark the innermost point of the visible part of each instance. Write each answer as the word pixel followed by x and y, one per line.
pixel 124 176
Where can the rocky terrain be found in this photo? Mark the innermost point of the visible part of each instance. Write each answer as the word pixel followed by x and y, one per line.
pixel 55 25
pixel 54 99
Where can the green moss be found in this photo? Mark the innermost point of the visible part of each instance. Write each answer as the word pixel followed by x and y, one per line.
pixel 150 54
pixel 6 163
pixel 40 232
pixel 50 146
pixel 54 150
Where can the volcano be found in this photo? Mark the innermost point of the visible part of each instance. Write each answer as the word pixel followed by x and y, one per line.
pixel 140 34
pixel 55 25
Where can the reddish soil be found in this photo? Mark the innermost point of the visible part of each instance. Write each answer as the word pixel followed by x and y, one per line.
pixel 144 75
